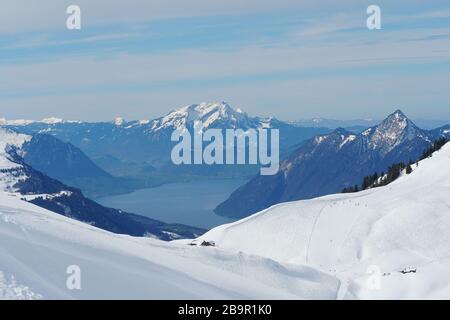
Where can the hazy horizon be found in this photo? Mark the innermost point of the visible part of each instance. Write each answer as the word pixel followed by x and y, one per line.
pixel 426 122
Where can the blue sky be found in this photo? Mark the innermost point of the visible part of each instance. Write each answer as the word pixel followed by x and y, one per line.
pixel 292 59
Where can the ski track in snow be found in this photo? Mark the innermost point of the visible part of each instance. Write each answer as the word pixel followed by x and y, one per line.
pixel 312 232
pixel 397 228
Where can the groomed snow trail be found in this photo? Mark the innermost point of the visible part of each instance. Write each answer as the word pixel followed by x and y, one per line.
pixel 396 229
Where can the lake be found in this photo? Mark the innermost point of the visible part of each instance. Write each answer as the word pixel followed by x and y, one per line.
pixel 190 203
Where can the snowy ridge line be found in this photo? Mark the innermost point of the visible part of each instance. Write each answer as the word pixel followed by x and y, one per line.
pixel 402 229
pixel 10 139
pixel 116 266
pixel 206 112
pixel 24 122
pixel 331 162
pixel 30 197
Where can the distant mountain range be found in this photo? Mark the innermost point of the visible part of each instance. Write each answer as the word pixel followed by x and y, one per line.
pixel 334 124
pixel 147 143
pixel 316 160
pixel 68 164
pixel 328 163
pixel 139 151
pixel 19 179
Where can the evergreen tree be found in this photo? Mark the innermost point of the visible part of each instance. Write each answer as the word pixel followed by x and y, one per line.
pixel 408 169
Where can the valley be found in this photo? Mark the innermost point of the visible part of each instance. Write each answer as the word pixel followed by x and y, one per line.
pixel 324 248
pixel 172 203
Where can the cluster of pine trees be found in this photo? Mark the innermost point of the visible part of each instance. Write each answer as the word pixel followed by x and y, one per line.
pixel 378 180
pixel 350 189
pixel 394 171
pixel 437 145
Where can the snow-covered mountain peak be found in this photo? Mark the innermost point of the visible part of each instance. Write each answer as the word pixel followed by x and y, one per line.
pixel 398 114
pixel 217 114
pixel 210 112
pixel 330 162
pixel 338 137
pixel 118 121
pixel 52 120
pixel 395 120
pixel 206 108
pixel 392 131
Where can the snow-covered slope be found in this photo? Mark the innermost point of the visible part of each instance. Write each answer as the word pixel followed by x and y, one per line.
pixel 10 170
pixel 37 247
pixel 404 226
pixel 10 139
pixel 18 178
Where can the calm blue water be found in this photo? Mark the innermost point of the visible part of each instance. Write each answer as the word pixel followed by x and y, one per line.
pixel 190 203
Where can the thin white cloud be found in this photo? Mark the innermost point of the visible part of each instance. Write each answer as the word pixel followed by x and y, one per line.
pixel 366 50
pixel 44 41
pixel 330 96
pixel 26 15
pixel 84 86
